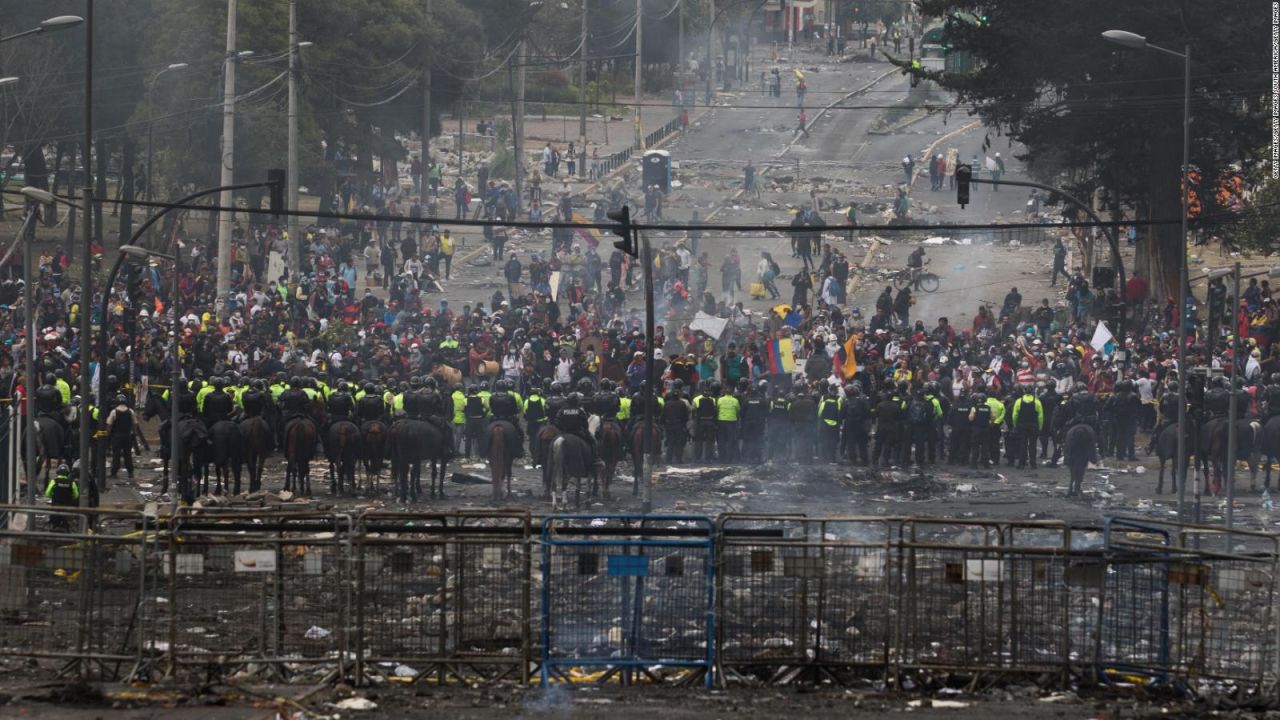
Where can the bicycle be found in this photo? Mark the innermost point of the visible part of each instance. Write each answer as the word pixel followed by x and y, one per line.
pixel 916 278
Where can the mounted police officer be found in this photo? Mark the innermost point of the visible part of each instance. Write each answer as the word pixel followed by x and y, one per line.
pixel 503 405
pixel 255 400
pixel 217 404
pixel 572 420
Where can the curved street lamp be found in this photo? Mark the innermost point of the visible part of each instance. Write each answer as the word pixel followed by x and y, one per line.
pixel 59 22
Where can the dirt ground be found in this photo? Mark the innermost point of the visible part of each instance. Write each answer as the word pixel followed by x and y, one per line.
pixel 586 703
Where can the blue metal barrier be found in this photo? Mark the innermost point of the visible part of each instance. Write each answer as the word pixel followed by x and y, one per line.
pixel 647 604
pixel 1133 631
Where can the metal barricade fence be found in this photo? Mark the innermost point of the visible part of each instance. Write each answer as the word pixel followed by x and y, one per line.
pixel 633 598
pixel 267 589
pixel 69 591
pixel 1224 601
pixel 1218 601
pixel 623 594
pixel 802 596
pixel 1133 614
pixel 448 592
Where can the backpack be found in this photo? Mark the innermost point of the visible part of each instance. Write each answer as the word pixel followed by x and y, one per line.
pixel 917 413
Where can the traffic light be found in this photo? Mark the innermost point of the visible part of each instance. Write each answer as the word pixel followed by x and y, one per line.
pixel 627 244
pixel 276 178
pixel 963 173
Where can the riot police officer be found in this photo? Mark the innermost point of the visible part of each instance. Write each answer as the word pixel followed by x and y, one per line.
pixel 371 406
pixel 120 422
pixel 475 412
pixel 675 421
pixel 705 413
pixel 857 424
pixel 755 413
pixel 218 405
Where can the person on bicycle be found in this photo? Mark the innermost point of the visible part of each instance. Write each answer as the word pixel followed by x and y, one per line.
pixel 915 263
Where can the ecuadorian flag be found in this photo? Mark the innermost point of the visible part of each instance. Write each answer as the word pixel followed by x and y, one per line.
pixel 781 358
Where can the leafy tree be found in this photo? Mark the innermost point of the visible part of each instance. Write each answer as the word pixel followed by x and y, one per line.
pixel 1093 115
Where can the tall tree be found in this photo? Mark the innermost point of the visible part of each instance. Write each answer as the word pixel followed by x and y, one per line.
pixel 1093 115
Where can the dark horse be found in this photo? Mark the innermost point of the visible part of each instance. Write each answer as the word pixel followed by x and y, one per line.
pixel 224 454
pixel 1214 444
pixel 568 456
pixel 50 444
pixel 193 444
pixel 1167 448
pixel 611 452
pixel 1079 448
pixel 500 443
pixel 373 447
pixel 1270 446
pixel 412 442
pixel 256 441
pixel 639 448
pixel 342 448
pixel 299 449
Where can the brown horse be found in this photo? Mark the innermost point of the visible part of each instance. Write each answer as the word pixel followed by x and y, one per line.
pixel 374 447
pixel 501 439
pixel 610 449
pixel 639 448
pixel 541 455
pixel 255 438
pixel 341 447
pixel 299 449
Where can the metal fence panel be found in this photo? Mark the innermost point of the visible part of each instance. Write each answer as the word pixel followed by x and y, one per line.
pixel 953 582
pixel 69 591
pixel 626 592
pixel 267 589
pixel 798 594
pixel 449 592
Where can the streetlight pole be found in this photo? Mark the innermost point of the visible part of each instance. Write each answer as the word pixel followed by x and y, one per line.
pixel 639 81
pixel 1138 42
pixel 151 86
pixel 228 154
pixel 29 353
pixel 295 70
pixel 86 267
pixel 582 81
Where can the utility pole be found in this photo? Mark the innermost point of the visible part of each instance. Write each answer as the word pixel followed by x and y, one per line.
pixel 711 34
pixel 791 26
pixel 226 219
pixel 639 82
pixel 426 124
pixel 87 482
pixel 518 129
pixel 582 82
pixel 680 37
pixel 295 235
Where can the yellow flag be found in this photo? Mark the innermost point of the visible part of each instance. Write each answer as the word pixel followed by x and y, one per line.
pixel 850 365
